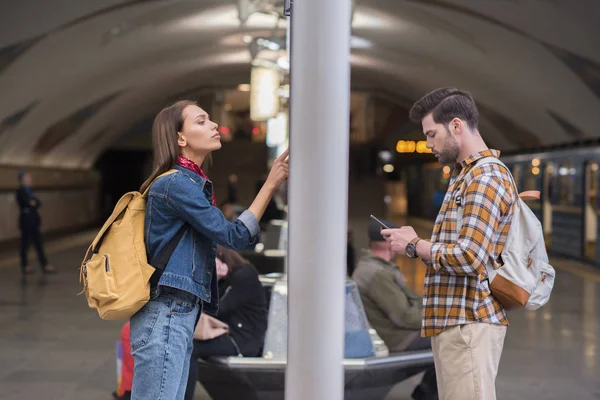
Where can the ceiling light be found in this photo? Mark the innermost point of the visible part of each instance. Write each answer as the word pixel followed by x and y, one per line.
pixel 264 101
pixel 386 156
pixel 360 43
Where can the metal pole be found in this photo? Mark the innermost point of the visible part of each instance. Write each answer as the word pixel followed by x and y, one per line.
pixel 320 90
pixel 288 47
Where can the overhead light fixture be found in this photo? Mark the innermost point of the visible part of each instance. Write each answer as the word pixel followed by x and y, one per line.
pixel 386 156
pixel 277 130
pixel 264 100
pixel 360 43
pixel 389 168
pixel 268 44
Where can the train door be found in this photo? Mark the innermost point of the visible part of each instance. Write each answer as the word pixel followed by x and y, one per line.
pixel 590 210
pixel 547 203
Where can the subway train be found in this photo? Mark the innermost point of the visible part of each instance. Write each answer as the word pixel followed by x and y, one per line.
pixel 569 207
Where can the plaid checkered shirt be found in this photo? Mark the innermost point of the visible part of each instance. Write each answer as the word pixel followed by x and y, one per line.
pixel 456 288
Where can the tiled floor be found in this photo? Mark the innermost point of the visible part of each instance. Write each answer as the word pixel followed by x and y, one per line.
pixel 53 347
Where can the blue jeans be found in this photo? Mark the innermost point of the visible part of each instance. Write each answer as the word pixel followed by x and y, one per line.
pixel 161 344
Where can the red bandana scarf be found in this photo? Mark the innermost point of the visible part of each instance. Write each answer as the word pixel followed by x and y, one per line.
pixel 192 166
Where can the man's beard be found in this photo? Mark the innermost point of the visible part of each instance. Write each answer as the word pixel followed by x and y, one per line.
pixel 450 154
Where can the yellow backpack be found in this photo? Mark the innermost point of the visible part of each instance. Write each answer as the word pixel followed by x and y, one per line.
pixel 116 278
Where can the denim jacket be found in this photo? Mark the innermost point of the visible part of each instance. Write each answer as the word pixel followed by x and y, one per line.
pixel 182 198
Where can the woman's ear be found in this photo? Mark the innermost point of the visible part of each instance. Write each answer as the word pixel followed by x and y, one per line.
pixel 181 140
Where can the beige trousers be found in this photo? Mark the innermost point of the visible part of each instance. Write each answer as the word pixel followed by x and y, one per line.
pixel 466 360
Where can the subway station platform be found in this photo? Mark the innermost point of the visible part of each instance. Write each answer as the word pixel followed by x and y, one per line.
pixel 53 347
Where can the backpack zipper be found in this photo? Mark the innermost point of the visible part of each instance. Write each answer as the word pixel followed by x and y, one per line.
pixel 107 264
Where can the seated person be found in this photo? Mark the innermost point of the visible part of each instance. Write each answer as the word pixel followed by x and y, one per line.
pixel 393 310
pixel 242 318
pixel 124 382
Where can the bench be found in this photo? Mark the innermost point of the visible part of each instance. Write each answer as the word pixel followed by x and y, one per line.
pixel 263 378
pixel 255 378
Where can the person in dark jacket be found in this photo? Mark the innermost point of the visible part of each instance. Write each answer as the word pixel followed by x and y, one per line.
pixel 242 306
pixel 29 224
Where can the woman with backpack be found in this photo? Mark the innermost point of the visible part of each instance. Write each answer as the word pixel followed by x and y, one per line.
pixel 162 331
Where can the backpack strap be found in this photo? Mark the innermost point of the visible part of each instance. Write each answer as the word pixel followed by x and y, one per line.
pixel 479 163
pixel 118 210
pixel 489 268
pixel 169 172
pixel 162 258
pixel 495 160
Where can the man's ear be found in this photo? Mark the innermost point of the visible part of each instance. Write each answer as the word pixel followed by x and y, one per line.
pixel 456 126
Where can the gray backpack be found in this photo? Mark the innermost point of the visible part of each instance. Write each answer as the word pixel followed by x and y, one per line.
pixel 525 279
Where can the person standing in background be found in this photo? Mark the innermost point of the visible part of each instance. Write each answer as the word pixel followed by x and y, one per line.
pixel 29 224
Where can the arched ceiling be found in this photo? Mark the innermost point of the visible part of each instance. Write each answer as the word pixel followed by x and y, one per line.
pixel 75 76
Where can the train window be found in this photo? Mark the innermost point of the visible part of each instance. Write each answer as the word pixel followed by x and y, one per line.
pixel 567 175
pixel 591 210
pixel 592 184
pixel 531 174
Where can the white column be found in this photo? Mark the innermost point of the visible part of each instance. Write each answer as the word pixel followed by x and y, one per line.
pixel 320 91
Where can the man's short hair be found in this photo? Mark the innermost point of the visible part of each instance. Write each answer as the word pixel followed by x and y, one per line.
pixel 375 230
pixel 445 104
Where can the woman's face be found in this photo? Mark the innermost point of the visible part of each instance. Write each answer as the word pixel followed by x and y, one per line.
pixel 199 135
pixel 222 268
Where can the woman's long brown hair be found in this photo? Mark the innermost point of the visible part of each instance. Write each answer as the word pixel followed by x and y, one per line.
pixel 165 128
pixel 232 258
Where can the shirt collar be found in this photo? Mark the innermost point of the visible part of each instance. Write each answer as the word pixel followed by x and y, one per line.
pixel 473 158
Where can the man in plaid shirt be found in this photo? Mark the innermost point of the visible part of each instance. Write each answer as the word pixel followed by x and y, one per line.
pixel 466 323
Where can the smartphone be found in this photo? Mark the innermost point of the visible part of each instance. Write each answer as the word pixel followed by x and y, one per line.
pixel 374 218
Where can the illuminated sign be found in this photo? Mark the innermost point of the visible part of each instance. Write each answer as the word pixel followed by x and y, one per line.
pixel 410 146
